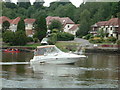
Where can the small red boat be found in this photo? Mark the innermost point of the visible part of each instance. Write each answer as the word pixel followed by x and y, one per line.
pixel 11 50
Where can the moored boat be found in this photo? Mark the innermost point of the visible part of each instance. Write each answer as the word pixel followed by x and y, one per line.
pixel 11 50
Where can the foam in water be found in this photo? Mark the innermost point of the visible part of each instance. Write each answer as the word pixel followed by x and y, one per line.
pixel 12 63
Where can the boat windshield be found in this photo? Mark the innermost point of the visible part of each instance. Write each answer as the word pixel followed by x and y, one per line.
pixel 47 50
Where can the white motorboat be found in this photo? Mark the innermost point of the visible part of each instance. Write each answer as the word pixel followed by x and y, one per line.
pixel 51 54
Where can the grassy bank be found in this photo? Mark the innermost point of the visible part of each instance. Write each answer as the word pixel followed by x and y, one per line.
pixel 67 46
pixel 34 45
pixel 63 45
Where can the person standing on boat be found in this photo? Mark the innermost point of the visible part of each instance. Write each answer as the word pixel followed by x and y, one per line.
pixel 35 52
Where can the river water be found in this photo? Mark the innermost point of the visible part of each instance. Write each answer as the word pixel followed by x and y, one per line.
pixel 95 71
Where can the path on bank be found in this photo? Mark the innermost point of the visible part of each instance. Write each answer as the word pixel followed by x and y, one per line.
pixel 83 42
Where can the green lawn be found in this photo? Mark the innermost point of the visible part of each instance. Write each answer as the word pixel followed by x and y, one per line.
pixel 27 45
pixel 64 46
pixel 33 45
pixel 67 46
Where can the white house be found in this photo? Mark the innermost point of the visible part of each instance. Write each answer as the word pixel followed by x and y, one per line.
pixel 68 25
pixel 110 27
pixel 13 23
pixel 29 27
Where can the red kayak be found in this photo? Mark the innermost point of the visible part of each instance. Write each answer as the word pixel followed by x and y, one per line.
pixel 11 51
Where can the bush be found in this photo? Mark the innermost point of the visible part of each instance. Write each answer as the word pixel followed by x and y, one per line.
pixel 118 42
pixel 88 36
pixel 96 40
pixel 55 31
pixel 35 40
pixel 63 36
pixel 29 39
pixel 55 24
pixel 19 39
pixel 8 36
pixel 52 39
pixel 111 40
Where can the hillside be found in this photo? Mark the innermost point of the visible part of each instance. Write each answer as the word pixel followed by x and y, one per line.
pixel 85 15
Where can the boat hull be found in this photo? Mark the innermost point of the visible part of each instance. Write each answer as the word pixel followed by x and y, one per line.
pixel 55 60
pixel 11 51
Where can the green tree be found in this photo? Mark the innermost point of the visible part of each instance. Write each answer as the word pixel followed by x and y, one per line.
pixel 52 39
pixel 115 8
pixel 83 29
pixel 15 38
pixel 38 4
pixel 41 27
pixel 8 37
pixel 64 36
pixel 55 24
pixel 20 38
pixel 84 23
pixel 5 26
pixel 10 5
pixel 24 4
pixel 30 11
pixel 21 25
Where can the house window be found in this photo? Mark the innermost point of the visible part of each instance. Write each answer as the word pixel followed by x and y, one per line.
pixel 110 28
pixel 111 35
pixel 68 26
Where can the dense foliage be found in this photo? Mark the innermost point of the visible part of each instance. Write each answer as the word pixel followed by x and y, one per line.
pixel 52 39
pixel 40 26
pixel 21 25
pixel 5 26
pixel 15 38
pixel 63 36
pixel 55 24
pixel 86 14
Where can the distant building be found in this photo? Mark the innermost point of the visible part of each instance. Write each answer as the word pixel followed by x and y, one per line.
pixel 29 28
pixel 13 23
pixel 97 26
pixel 68 25
pixel 3 19
pixel 110 27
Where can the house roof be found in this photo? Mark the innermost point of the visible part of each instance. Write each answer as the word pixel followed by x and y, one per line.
pixel 74 27
pixel 112 22
pixel 15 21
pixel 98 24
pixel 50 18
pixel 28 20
pixel 4 18
pixel 64 20
pixel 101 23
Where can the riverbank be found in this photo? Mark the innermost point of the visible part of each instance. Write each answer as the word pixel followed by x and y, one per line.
pixel 97 50
pixel 63 45
pixel 67 46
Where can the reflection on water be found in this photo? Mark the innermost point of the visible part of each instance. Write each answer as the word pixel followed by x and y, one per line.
pixel 97 71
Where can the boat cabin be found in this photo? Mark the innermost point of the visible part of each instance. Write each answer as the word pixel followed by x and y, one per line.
pixel 47 49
